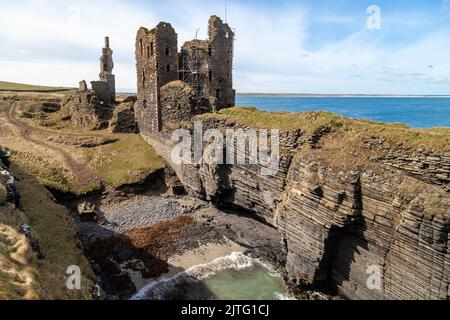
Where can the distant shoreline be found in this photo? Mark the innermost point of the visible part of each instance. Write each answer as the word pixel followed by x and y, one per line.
pixel 312 95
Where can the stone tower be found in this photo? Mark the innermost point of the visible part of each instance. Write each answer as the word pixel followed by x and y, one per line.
pixel 156 65
pixel 220 71
pixel 205 68
pixel 207 65
pixel 106 87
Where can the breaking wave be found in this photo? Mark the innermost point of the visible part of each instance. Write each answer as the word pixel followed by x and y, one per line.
pixel 179 287
pixel 284 296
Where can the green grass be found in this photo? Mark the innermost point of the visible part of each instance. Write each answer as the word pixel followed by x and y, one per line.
pixel 435 139
pixel 11 86
pixel 124 162
pixel 49 173
pixel 22 276
pixel 56 233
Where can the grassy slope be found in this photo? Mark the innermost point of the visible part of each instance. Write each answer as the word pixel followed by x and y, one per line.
pixel 17 271
pixel 11 86
pixel 49 173
pixel 56 234
pixel 124 162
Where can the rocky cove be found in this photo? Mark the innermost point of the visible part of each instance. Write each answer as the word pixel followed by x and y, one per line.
pixel 350 197
pixel 137 234
pixel 134 228
pixel 321 227
pixel 340 207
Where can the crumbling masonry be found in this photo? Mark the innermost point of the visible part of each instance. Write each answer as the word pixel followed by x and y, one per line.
pixel 93 109
pixel 173 86
pixel 106 87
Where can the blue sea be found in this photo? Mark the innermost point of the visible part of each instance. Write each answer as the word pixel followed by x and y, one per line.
pixel 414 112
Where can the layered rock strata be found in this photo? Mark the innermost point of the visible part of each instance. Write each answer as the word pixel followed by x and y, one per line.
pixel 374 232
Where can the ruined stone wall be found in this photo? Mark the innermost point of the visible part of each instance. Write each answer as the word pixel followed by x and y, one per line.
pixel 212 61
pixel 179 102
pixel 123 120
pixel 194 65
pixel 156 65
pixel 166 51
pixel 106 87
pixel 87 110
pixel 103 91
pixel 220 82
pixel 205 65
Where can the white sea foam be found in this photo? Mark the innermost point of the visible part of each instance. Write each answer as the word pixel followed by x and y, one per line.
pixel 161 289
pixel 284 296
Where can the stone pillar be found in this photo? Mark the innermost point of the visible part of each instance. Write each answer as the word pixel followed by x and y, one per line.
pixel 106 87
pixel 83 86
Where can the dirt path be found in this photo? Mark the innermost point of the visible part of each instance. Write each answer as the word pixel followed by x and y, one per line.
pixel 84 175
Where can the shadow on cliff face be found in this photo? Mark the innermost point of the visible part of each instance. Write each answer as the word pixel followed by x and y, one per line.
pixel 226 197
pixel 341 247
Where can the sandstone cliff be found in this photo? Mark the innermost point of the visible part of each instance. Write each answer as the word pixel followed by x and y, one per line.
pixel 350 197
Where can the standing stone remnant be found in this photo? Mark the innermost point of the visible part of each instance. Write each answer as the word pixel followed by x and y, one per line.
pixel 106 61
pixel 83 86
pixel 93 109
pixel 106 87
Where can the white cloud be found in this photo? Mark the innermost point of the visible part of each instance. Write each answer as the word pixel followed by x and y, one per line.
pixel 59 43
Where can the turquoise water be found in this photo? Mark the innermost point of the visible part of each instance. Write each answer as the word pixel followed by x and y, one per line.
pixel 415 112
pixel 234 277
pixel 255 283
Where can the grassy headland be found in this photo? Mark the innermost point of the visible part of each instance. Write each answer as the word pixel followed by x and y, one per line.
pixel 436 139
pixel 19 87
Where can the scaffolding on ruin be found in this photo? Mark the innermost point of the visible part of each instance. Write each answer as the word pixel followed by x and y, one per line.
pixel 192 71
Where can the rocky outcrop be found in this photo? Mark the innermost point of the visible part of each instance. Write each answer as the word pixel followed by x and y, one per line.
pixel 422 164
pixel 179 102
pixel 365 230
pixel 340 227
pixel 80 141
pixel 87 110
pixel 123 120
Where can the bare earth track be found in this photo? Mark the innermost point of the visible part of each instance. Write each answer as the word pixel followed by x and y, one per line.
pixel 85 176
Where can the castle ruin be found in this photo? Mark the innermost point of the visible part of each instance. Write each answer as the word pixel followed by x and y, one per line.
pixel 106 87
pixel 93 109
pixel 173 86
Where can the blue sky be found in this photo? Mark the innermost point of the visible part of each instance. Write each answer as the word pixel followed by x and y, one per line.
pixel 281 46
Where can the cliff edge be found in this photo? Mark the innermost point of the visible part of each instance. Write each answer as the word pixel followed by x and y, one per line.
pixel 362 208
